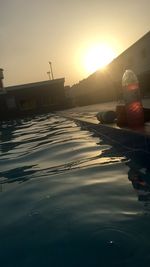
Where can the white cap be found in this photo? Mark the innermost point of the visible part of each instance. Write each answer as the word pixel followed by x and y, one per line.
pixel 129 77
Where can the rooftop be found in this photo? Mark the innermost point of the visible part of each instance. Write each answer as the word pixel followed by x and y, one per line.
pixel 35 84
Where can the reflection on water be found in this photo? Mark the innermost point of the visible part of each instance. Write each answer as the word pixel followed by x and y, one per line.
pixel 134 150
pixel 69 198
pixel 139 175
pixel 47 146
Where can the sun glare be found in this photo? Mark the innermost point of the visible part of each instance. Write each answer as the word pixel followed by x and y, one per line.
pixel 97 57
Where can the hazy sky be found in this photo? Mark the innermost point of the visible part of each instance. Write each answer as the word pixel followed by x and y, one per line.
pixel 34 32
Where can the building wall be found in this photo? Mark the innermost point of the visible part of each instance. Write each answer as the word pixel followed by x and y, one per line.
pixel 33 98
pixel 43 96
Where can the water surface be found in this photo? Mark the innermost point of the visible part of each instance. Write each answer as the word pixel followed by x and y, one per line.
pixel 68 198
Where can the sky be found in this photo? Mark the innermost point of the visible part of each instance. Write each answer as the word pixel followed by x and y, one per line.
pixel 36 32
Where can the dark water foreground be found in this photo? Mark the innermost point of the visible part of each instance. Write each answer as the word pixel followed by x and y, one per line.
pixel 68 198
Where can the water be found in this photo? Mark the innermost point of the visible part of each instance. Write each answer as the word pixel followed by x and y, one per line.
pixel 68 198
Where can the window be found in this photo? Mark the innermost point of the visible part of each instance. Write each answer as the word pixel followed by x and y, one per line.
pixel 27 104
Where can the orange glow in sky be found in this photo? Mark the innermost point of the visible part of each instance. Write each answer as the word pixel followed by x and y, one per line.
pixel 97 57
pixel 78 37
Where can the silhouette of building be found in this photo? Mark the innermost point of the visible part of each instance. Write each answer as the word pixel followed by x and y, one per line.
pixel 32 98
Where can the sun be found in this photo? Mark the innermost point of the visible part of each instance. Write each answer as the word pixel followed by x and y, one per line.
pixel 97 57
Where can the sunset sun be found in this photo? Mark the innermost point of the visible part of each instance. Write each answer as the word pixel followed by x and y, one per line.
pixel 97 57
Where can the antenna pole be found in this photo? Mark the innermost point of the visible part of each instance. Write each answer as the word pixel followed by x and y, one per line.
pixel 51 70
pixel 48 73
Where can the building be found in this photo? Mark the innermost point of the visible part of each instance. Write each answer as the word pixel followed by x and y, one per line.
pixel 105 85
pixel 32 98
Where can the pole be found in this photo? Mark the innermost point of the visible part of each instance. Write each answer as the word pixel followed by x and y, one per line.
pixel 50 63
pixel 48 73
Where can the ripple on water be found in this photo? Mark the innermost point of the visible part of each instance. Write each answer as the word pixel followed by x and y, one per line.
pixel 68 198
